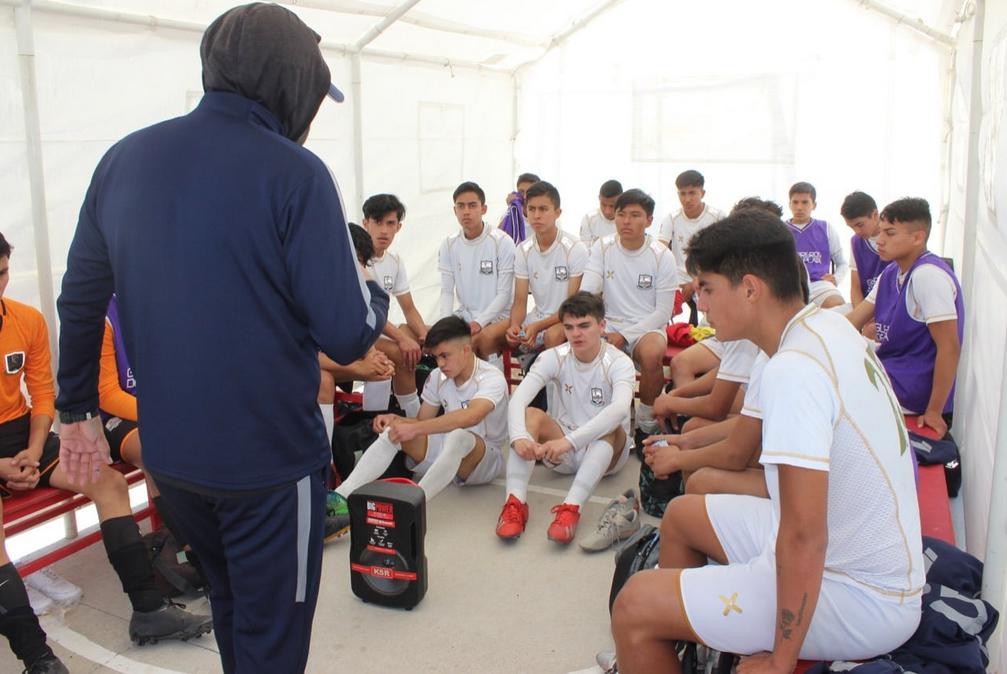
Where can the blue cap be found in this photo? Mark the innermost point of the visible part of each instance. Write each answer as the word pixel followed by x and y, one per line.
pixel 335 94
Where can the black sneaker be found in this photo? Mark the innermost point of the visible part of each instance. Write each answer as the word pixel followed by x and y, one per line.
pixel 47 664
pixel 167 622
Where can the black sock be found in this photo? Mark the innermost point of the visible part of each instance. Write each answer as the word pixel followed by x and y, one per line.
pixel 128 555
pixel 169 521
pixel 17 619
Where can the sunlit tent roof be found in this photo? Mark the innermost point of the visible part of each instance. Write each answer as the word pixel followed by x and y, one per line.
pixel 893 97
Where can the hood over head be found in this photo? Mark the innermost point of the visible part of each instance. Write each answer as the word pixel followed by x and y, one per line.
pixel 265 53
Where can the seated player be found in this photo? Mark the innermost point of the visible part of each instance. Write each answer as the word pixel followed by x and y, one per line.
pixel 637 278
pixel 587 436
pixel 861 215
pixel 819 247
pixel 462 445
pixel 918 310
pixel 551 265
pixel 32 453
pixel 383 215
pixel 601 223
pixel 477 266
pixel 375 365
pixel 830 567
pixel 677 228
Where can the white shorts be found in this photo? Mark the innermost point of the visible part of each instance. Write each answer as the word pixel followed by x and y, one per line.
pixel 570 462
pixel 732 608
pixel 630 346
pixel 714 345
pixel 820 291
pixel 489 469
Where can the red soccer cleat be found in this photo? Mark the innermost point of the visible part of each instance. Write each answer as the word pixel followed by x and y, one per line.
pixel 564 526
pixel 512 519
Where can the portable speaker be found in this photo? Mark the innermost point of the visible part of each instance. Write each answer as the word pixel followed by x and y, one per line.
pixel 388 521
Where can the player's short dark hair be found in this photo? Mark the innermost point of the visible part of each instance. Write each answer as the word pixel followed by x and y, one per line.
pixel 363 244
pixel 448 328
pixel 527 178
pixel 911 211
pixel 469 186
pixel 857 205
pixel 760 204
pixel 543 189
pixel 609 189
pixel 750 241
pixel 803 188
pixel 5 248
pixel 581 304
pixel 635 197
pixel 379 206
pixel 690 178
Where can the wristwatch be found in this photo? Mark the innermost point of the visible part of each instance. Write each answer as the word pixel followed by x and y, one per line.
pixel 75 417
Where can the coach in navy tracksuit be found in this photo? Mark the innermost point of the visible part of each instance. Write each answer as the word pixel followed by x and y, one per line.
pixel 227 246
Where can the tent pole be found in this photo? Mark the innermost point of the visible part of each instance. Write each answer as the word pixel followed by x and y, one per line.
pixel 358 130
pixel 36 174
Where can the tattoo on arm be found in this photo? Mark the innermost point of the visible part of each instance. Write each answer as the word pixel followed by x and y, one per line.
pixel 788 621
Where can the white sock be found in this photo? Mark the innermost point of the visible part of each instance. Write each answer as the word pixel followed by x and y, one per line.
pixel 596 461
pixel 372 464
pixel 518 475
pixel 409 402
pixel 645 418
pixel 457 445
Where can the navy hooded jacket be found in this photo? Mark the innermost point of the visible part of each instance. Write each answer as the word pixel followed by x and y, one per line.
pixel 227 246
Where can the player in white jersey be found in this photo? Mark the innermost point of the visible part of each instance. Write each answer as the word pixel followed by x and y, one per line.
pixel 830 567
pixel 733 371
pixel 587 435
pixel 462 445
pixel 636 276
pixel 601 223
pixel 383 214
pixel 550 264
pixel 477 267
pixel 677 228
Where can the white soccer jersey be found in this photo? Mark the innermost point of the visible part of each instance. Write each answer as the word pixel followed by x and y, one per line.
pixel 752 407
pixel 480 273
pixel 930 295
pixel 486 383
pixel 828 405
pixel 737 362
pixel 585 393
pixel 595 226
pixel 389 272
pixel 639 286
pixel 549 272
pixel 676 230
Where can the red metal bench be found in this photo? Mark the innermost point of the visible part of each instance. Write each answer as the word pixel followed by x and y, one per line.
pixel 38 506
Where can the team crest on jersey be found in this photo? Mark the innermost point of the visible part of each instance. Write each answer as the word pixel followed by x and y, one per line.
pixel 14 362
pixel 597 397
pixel 562 273
pixel 485 266
pixel 644 281
pixel 387 282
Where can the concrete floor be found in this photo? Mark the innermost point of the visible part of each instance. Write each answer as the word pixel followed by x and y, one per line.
pixel 491 607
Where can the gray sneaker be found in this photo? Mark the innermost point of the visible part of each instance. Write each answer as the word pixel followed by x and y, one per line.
pixel 620 520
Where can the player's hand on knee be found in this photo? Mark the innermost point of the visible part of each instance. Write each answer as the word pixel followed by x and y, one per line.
pixel 403 430
pixel 554 450
pixel 411 352
pixel 530 335
pixel 513 336
pixel 525 449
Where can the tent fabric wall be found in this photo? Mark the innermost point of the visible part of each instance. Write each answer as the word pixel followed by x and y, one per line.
pixel 754 104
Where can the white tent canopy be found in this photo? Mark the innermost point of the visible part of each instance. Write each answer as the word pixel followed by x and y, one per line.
pixel 894 97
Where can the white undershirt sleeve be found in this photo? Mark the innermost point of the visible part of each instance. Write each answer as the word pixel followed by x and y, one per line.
pixel 932 295
pixel 800 407
pixel 543 369
pixel 595 269
pixel 838 256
